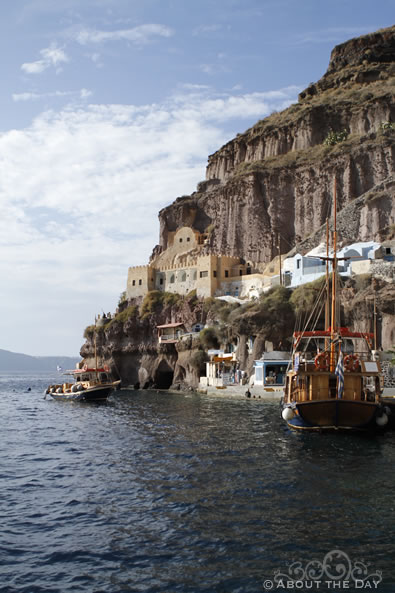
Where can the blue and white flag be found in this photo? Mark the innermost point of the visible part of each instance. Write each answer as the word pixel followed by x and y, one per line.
pixel 339 372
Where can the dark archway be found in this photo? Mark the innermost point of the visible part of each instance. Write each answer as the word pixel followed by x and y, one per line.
pixel 163 375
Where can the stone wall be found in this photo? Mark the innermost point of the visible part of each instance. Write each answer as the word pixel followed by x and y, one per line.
pixel 389 373
pixel 140 280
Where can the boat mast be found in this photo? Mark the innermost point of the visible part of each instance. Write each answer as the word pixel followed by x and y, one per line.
pixel 327 303
pixel 334 270
pixel 374 321
pixel 95 346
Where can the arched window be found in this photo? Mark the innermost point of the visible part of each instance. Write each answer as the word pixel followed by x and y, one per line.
pixel 183 277
pixel 172 279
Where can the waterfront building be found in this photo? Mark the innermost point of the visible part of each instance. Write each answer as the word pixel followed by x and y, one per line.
pixel 271 369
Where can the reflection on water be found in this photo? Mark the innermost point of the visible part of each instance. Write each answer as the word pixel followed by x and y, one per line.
pixel 159 492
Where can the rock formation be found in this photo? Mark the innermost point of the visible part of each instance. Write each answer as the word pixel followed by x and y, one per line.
pixel 276 180
pixel 278 176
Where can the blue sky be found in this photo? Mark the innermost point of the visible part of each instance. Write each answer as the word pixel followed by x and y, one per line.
pixel 108 111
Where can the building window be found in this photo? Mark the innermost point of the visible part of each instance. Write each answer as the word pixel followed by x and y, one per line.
pixel 160 280
pixel 140 282
pixel 195 275
pixel 215 273
pixel 180 239
pixel 134 283
pixel 183 277
pixel 248 270
pixel 388 251
pixel 240 272
pixel 172 279
pixel 203 274
pixel 188 238
pixel 226 273
pixel 298 264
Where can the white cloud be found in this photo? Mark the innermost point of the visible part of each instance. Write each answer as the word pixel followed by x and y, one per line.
pixel 32 96
pixel 51 56
pixel 80 194
pixel 207 30
pixel 138 35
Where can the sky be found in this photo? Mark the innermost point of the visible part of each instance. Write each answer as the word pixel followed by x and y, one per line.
pixel 108 112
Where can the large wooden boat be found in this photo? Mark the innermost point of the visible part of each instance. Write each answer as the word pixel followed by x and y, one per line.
pixel 89 384
pixel 333 391
pixel 334 381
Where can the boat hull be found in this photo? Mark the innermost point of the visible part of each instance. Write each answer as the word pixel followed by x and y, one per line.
pixel 334 415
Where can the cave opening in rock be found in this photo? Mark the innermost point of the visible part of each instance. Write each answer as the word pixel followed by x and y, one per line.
pixel 164 375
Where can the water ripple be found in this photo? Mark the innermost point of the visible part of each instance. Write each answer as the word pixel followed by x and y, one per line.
pixel 161 493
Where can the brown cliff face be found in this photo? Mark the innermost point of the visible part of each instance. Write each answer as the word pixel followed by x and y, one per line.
pixel 129 345
pixel 277 177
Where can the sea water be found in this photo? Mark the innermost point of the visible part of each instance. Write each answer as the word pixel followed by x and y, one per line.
pixel 162 492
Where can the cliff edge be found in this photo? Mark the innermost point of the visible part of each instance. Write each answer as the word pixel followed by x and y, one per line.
pixel 277 177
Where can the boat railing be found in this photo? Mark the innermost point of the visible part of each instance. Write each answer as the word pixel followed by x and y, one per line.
pixel 310 362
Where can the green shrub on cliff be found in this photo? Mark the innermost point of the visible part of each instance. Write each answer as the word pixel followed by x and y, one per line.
pixel 335 137
pixel 219 309
pixel 198 359
pixel 171 298
pixel 88 332
pixel 271 315
pixel 128 313
pixel 305 296
pixel 152 301
pixel 155 300
pixel 209 338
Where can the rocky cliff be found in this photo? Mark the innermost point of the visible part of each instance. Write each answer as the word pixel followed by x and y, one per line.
pixel 274 180
pixel 278 176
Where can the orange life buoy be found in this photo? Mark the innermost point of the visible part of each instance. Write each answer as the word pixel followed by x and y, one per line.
pixel 106 368
pixel 321 361
pixel 351 362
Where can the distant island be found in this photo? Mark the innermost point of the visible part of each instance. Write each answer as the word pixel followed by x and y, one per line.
pixel 13 361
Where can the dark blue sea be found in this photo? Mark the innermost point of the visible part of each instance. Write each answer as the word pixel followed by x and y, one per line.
pixel 166 493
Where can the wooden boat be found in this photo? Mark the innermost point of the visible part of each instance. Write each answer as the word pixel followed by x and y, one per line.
pixel 89 384
pixel 338 392
pixel 334 381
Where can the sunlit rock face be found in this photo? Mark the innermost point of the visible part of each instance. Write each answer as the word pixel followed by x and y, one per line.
pixel 278 176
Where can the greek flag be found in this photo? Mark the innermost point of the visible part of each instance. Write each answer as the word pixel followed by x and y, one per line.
pixel 339 372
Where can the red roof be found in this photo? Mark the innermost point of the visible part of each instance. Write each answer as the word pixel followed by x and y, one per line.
pixel 80 371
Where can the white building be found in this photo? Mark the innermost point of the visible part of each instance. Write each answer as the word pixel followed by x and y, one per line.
pixel 307 268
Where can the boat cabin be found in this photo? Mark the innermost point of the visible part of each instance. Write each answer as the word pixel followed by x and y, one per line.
pixel 87 375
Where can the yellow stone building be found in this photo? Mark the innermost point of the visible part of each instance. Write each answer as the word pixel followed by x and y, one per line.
pixel 182 267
